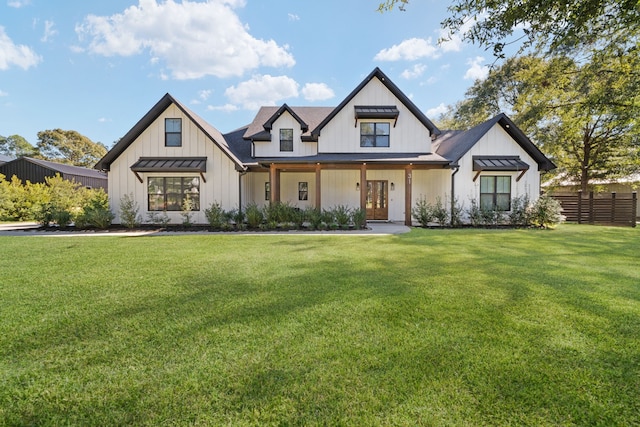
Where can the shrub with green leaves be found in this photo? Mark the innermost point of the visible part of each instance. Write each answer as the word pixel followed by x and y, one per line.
pixel 215 216
pixel 156 218
pixel 359 218
pixel 423 212
pixel 129 211
pixel 546 212
pixel 254 215
pixel 95 211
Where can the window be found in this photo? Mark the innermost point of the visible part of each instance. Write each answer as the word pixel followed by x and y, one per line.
pixel 495 193
pixel 267 191
pixel 173 132
pixel 286 139
pixel 169 193
pixel 303 191
pixel 374 134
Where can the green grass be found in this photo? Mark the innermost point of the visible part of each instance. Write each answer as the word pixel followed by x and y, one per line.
pixel 435 327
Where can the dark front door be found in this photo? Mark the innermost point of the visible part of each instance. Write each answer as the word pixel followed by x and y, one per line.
pixel 377 200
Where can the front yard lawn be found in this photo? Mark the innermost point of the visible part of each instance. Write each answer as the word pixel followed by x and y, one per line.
pixel 435 327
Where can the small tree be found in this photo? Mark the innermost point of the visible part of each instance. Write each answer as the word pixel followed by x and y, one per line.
pixel 546 212
pixel 423 212
pixel 129 211
pixel 186 213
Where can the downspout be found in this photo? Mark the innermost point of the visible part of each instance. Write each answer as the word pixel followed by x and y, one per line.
pixel 453 192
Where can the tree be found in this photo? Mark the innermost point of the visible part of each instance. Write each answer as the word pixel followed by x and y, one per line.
pixel 554 25
pixel 586 119
pixel 16 146
pixel 69 146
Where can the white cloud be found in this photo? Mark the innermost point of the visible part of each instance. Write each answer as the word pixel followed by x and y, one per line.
pixel 410 49
pixel 293 17
pixel 437 111
pixel 18 3
pixel 12 54
pixel 317 92
pixel 104 120
pixel 194 39
pixel 226 107
pixel 414 72
pixel 476 71
pixel 262 90
pixel 49 31
pixel 3 93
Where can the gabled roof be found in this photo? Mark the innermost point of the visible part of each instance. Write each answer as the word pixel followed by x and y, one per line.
pixel 150 117
pixel 310 116
pixel 61 168
pixel 377 73
pixel 455 144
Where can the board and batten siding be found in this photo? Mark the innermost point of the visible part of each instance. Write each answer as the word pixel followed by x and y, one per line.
pixel 342 133
pixel 221 184
pixel 272 148
pixel 496 142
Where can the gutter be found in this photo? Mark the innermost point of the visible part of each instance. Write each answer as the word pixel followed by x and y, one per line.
pixel 453 188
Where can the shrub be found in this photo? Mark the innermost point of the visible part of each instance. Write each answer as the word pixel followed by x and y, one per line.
pixel 546 212
pixel 156 219
pixel 440 213
pixel 314 216
pixel 129 211
pixel 519 214
pixel 215 216
pixel 456 214
pixel 423 212
pixel 61 217
pixel 95 212
pixel 342 215
pixel 254 215
pixel 359 218
pixel 186 211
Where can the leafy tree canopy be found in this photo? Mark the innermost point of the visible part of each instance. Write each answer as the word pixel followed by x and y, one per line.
pixel 69 146
pixel 16 146
pixel 554 25
pixel 585 118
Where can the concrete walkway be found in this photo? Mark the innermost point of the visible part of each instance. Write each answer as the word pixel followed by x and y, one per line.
pixel 32 229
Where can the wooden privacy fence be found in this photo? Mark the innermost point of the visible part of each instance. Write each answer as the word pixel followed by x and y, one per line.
pixel 601 208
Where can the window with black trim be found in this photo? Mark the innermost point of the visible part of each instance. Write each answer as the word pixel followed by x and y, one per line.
pixel 303 191
pixel 374 134
pixel 169 193
pixel 495 193
pixel 286 139
pixel 173 132
pixel 267 191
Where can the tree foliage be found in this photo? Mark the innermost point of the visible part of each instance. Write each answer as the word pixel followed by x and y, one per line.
pixel 553 25
pixel 16 146
pixel 69 146
pixel 586 119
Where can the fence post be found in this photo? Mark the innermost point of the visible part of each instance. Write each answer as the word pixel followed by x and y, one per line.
pixel 634 208
pixel 613 207
pixel 591 207
pixel 579 206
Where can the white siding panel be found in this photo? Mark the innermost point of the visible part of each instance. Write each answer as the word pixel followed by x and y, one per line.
pixel 339 188
pixel 289 188
pixel 221 176
pixel 342 134
pixel 272 148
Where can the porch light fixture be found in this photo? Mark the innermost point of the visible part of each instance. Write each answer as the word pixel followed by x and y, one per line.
pixel 357 186
pixel 393 186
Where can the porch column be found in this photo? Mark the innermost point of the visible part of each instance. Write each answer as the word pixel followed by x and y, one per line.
pixel 318 187
pixel 363 186
pixel 407 195
pixel 274 180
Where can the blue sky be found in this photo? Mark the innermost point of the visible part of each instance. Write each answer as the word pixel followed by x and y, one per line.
pixel 98 66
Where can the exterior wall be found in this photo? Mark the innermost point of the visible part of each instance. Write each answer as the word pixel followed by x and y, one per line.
pixel 496 142
pixel 342 134
pixel 253 188
pixel 339 188
pixel 221 184
pixel 272 148
pixel 431 184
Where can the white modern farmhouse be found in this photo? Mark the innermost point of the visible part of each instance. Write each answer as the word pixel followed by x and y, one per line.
pixel 375 150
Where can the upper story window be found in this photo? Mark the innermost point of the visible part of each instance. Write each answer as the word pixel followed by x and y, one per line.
pixel 495 193
pixel 374 134
pixel 173 132
pixel 286 139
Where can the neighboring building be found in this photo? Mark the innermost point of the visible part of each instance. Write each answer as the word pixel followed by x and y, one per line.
pixel 36 170
pixel 4 159
pixel 376 150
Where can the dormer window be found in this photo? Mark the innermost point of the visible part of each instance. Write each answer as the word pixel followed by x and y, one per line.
pixel 173 132
pixel 374 134
pixel 286 139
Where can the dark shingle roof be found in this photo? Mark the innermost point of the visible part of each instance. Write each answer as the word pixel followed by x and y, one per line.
pixel 311 116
